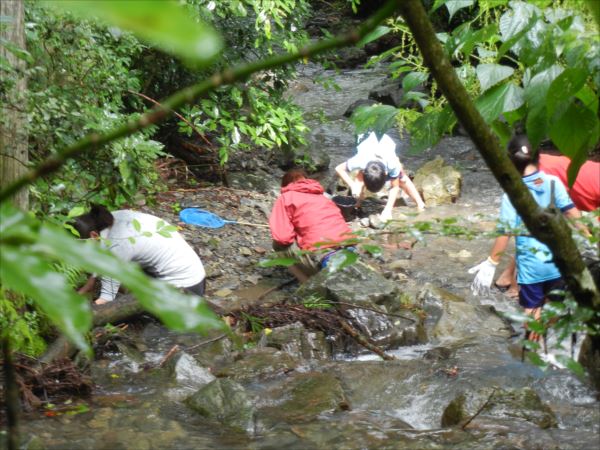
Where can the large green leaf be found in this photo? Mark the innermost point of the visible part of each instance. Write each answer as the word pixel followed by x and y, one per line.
pixel 377 118
pixel 536 125
pixel 30 274
pixel 575 133
pixel 563 88
pixel 177 310
pixel 412 80
pixel 536 89
pixel 502 98
pixel 455 5
pixel 428 129
pixel 373 35
pixel 491 74
pixel 164 24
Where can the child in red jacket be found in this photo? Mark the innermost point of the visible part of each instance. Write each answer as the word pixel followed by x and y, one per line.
pixel 303 215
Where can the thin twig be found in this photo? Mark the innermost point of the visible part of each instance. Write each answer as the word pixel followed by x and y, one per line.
pixel 378 311
pixel 363 340
pixel 209 341
pixel 169 354
pixel 479 411
pixel 192 126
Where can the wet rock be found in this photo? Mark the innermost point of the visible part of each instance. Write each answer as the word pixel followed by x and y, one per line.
pixel 357 284
pixel 298 342
pixel 226 401
pixel 262 363
pixel 388 93
pixel 438 183
pixel 514 404
pixel 307 395
pixel 187 372
pixel 462 321
pixel 367 296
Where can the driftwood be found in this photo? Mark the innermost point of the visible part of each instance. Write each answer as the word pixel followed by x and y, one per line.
pixel 123 308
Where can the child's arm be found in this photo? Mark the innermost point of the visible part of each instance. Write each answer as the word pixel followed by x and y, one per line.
pixel 356 186
pixel 386 214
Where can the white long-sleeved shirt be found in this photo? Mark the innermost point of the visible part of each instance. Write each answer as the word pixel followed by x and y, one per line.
pixel 170 259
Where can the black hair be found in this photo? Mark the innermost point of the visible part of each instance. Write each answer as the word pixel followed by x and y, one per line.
pixel 96 220
pixel 521 154
pixel 374 176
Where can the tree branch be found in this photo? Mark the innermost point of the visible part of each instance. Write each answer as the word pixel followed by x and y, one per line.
pixel 187 95
pixel 547 225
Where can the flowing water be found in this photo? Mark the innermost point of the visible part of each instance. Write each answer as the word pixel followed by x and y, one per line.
pixel 394 404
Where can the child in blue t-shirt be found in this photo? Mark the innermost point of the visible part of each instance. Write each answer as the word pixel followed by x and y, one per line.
pixel 537 275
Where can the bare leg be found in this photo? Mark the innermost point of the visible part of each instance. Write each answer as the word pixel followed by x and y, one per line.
pixel 298 273
pixel 408 186
pixel 536 314
pixel 508 278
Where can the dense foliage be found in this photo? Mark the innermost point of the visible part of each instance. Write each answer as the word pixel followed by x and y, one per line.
pixel 531 66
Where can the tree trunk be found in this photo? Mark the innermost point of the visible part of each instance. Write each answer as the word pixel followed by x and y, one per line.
pixel 546 225
pixel 13 117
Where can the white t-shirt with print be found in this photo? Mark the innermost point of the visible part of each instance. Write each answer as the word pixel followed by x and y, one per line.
pixel 170 259
pixel 372 149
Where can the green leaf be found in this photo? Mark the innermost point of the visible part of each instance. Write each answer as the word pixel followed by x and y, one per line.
pixel 428 129
pixel 491 74
pixel 535 359
pixel 341 259
pixel 499 99
pixel 575 133
pixel 163 24
pixel 136 225
pixel 412 80
pixel 572 365
pixel 511 36
pixel 286 262
pixel 563 88
pixel 454 5
pixel 377 118
pixel 374 250
pixel 26 272
pixel 536 126
pixel 373 36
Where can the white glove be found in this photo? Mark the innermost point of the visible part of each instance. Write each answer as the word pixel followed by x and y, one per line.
pixel 356 189
pixel 385 215
pixel 485 275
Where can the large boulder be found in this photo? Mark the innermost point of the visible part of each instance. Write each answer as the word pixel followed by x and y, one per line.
pixel 307 395
pixel 450 318
pixel 495 403
pixel 187 372
pixel 372 301
pixel 438 183
pixel 262 363
pixel 463 321
pixel 225 401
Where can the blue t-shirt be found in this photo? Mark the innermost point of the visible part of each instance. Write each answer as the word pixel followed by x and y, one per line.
pixel 534 259
pixel 371 149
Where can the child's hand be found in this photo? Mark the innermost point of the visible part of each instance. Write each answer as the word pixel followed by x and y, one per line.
pixel 356 188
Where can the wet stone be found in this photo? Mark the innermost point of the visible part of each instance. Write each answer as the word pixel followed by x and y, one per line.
pixel 299 342
pixel 517 404
pixel 262 363
pixel 226 401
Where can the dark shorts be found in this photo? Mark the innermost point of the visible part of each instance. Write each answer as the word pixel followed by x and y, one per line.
pixel 534 295
pixel 197 289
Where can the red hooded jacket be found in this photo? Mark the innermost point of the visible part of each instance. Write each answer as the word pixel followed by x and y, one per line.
pixel 303 214
pixel 585 192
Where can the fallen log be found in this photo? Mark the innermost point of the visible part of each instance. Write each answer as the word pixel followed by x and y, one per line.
pixel 123 308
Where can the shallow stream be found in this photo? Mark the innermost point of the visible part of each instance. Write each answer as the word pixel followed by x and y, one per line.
pixel 392 404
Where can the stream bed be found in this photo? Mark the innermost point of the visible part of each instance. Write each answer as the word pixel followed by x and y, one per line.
pixel 345 400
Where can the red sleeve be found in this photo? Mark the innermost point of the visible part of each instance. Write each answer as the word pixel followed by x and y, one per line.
pixel 282 229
